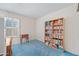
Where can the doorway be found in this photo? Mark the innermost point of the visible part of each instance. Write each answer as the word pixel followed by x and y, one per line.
pixel 12 33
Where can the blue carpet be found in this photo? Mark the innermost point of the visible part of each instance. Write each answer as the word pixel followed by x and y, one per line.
pixel 34 48
pixel 68 54
pixel 37 48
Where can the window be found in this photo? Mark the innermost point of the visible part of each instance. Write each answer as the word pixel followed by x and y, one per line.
pixel 11 27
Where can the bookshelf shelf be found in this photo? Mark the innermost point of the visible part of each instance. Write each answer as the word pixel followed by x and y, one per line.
pixel 54 31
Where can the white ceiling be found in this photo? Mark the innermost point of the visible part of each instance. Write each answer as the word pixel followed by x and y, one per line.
pixel 33 10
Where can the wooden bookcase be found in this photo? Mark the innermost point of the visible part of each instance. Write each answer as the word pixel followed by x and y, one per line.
pixel 48 31
pixel 54 33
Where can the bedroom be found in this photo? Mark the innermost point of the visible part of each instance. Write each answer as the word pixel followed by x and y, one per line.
pixel 30 24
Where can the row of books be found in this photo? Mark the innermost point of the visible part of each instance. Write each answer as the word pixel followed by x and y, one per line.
pixel 58 27
pixel 58 22
pixel 59 36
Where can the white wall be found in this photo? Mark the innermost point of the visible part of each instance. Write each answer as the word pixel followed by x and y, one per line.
pixel 71 18
pixel 27 25
pixel 2 39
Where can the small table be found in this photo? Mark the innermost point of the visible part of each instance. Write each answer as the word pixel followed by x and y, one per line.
pixel 24 36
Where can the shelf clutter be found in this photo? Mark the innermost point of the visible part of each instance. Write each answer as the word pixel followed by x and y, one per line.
pixel 54 33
